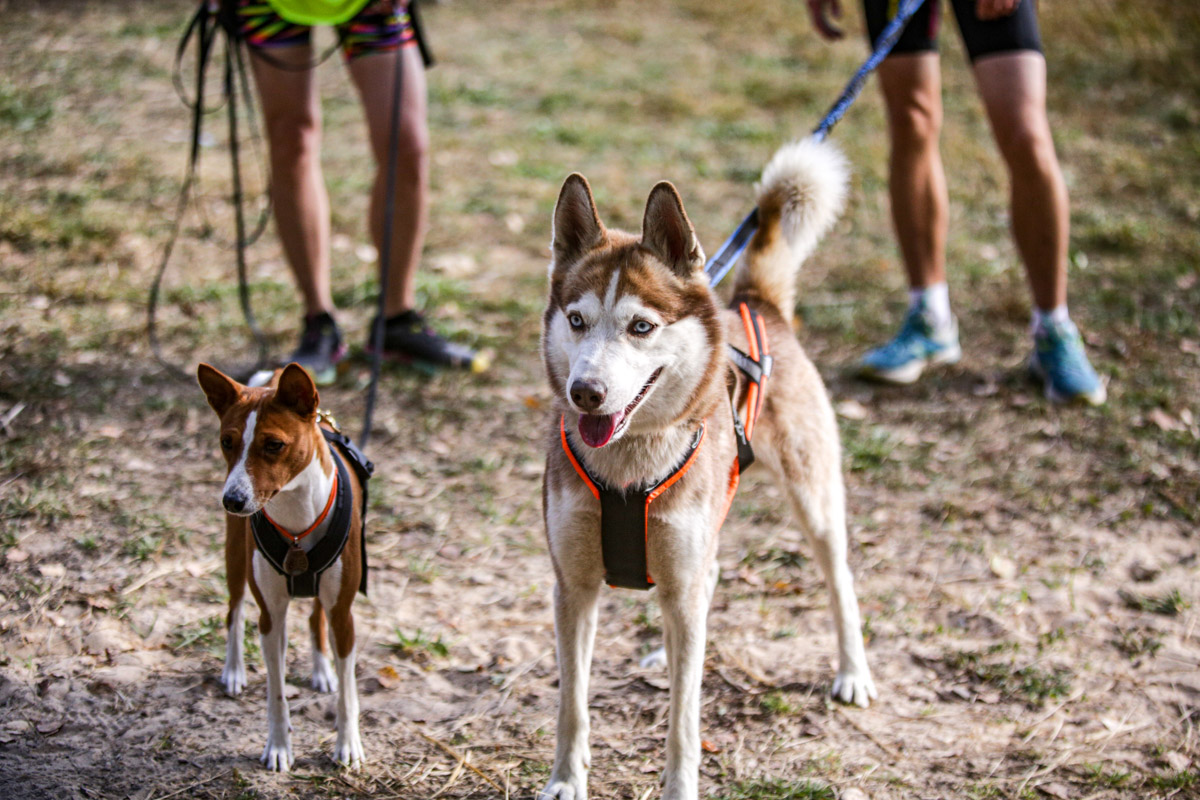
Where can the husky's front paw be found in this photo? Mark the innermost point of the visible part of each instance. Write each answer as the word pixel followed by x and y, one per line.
pixel 233 677
pixel 324 680
pixel 277 755
pixel 349 751
pixel 854 685
pixel 573 787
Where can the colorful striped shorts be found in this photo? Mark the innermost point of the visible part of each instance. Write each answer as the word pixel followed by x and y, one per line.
pixel 381 26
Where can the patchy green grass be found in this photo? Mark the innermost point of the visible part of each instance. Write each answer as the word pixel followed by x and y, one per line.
pixel 419 646
pixel 1169 604
pixel 1031 683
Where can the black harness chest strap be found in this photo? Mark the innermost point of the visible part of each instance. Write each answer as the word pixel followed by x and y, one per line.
pixel 625 515
pixel 274 549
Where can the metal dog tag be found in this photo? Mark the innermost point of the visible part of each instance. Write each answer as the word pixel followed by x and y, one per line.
pixel 296 562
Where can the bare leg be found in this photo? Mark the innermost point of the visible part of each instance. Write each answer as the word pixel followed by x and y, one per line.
pixel 292 112
pixel 1013 87
pixel 912 90
pixel 374 75
pixel 575 628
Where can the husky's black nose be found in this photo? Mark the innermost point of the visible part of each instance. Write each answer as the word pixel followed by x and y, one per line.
pixel 588 396
pixel 234 502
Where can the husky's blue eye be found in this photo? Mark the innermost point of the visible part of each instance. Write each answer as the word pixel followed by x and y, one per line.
pixel 641 327
pixel 575 319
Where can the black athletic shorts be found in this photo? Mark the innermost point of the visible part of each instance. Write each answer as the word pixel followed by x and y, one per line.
pixel 1017 31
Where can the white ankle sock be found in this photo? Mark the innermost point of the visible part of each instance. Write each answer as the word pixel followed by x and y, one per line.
pixel 1057 315
pixel 936 300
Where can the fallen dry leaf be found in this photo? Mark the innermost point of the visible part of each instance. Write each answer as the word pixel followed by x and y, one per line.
pixel 1164 421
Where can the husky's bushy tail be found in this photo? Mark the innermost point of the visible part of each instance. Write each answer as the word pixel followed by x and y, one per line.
pixel 800 196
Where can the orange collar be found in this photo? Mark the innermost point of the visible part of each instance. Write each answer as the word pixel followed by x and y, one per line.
pixel 296 537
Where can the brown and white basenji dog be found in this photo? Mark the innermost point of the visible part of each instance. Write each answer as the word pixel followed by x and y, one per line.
pixel 281 469
pixel 654 416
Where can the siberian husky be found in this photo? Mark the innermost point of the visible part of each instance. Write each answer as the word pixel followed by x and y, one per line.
pixel 636 351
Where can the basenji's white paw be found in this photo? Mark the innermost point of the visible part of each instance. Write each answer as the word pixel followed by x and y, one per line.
pixel 324 679
pixel 349 751
pixel 233 678
pixel 854 685
pixel 570 788
pixel 277 755
pixel 656 660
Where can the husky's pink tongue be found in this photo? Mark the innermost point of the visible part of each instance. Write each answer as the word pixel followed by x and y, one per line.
pixel 597 429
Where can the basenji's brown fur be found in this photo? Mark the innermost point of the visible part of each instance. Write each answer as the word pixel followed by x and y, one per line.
pixel 278 460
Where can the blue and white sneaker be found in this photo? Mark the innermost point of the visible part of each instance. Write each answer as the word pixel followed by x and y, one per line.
pixel 918 345
pixel 1059 362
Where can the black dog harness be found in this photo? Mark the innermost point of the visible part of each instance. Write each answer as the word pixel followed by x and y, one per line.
pixel 625 514
pixel 274 547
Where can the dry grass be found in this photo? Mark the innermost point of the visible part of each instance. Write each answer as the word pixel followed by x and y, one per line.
pixel 1027 573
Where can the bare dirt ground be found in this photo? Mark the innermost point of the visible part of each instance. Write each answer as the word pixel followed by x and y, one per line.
pixel 1027 573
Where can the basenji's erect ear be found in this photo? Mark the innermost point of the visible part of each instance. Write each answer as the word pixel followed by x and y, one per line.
pixel 297 392
pixel 221 390
pixel 668 233
pixel 577 226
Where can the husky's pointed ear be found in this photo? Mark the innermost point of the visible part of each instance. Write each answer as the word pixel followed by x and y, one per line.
pixel 668 234
pixel 577 226
pixel 297 392
pixel 221 390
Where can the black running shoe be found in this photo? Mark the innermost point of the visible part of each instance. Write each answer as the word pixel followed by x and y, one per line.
pixel 320 348
pixel 407 338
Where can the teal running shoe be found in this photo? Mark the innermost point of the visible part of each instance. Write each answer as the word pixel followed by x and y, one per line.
pixel 1059 362
pixel 918 345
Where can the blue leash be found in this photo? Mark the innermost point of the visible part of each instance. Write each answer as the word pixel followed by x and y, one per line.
pixel 719 265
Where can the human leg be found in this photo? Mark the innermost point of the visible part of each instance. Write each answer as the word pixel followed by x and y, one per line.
pixel 374 76
pixel 1013 88
pixel 292 118
pixel 912 93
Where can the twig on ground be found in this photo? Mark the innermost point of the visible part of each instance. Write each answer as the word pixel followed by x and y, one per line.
pixel 9 416
pixel 854 724
pixel 462 761
pixel 161 572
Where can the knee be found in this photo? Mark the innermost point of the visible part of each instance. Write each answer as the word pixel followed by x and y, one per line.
pixel 916 123
pixel 413 146
pixel 1026 147
pixel 293 137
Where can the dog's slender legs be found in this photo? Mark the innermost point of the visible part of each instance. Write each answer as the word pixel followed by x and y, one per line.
pixel 657 659
pixel 685 612
pixel 348 750
pixel 323 679
pixel 575 628
pixel 233 676
pixel 822 516
pixel 277 754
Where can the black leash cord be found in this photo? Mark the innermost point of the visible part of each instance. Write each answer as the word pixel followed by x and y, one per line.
pixel 206 25
pixel 385 251
pixel 239 216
